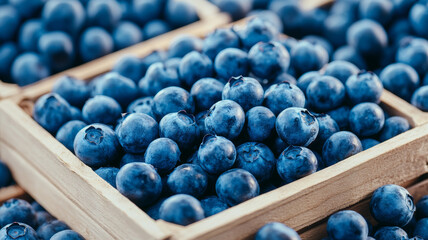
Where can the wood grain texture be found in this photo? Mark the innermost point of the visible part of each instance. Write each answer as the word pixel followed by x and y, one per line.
pixel 7 193
pixel 8 89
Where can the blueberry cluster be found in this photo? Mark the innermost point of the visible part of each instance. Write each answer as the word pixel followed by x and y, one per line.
pixel 42 37
pixel 393 209
pixel 22 220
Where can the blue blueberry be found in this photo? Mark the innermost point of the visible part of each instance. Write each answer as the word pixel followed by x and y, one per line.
pixel 260 123
pixel 341 70
pixel 336 26
pixel 216 154
pixel 47 230
pixel 130 158
pixel 350 54
pixel 268 60
pixel 108 174
pixel 317 40
pixel 218 40
pixel 5 175
pixel 43 217
pixel 327 127
pixel 284 77
pixel 306 79
pixel 131 67
pixel 237 9
pixel 414 52
pixel 97 145
pixel 295 163
pixel 200 121
pixel 297 126
pixel 276 231
pixel 172 99
pixel 136 132
pixel 420 98
pixel 140 183
pixel 236 186
pixel 120 88
pixel 339 146
pixel 418 16
pixel 307 57
pixel 225 118
pixel 63 15
pixel 392 205
pixel 68 132
pixel 195 66
pixel 213 205
pixel 401 79
pixel 341 116
pixel 231 62
pixel 180 127
pixel 154 57
pixel 145 10
pixel 206 92
pixel 367 37
pixel 181 209
pixel 325 93
pixel 163 154
pixel 158 77
pixel 366 119
pixel 399 29
pixel 8 53
pixel 67 235
pixel 178 13
pixel 257 30
pixel 101 109
pixel 17 210
pixel 282 96
pixel 9 22
pixel 377 10
pixel 291 14
pixel 142 105
pixel 364 87
pixel 184 44
pixel 95 42
pixel 105 14
pixel 153 210
pixel 347 225
pixel 29 34
pixel 27 9
pixel 188 179
pixel 402 7
pixel 28 68
pixel 155 28
pixel 73 90
pixel 257 159
pixel 126 34
pixel 369 143
pixel 421 228
pixel 390 233
pixel 422 207
pixel 245 91
pixel 51 111
pixel 18 230
pixel 393 127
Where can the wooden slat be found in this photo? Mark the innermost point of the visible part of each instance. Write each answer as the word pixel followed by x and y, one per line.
pixel 8 89
pixel 7 193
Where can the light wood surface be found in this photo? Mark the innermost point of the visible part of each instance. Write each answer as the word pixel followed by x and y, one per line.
pixel 7 193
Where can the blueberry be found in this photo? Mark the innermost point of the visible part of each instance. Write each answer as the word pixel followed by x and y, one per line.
pixel 163 154
pixel 364 87
pixel 200 121
pixel 131 67
pixel 17 210
pixel 350 54
pixel 231 62
pixel 369 143
pixel 18 230
pixel 306 79
pixel 63 15
pixel 5 176
pixel 420 98
pixel 73 90
pixel 158 77
pixel 140 183
pixel 142 105
pixel 421 228
pixel 225 118
pixel 146 10
pixel 399 29
pixel 153 210
pixel 341 70
pixel 195 66
pixel 120 88
pixel 268 60
pixel 27 9
pixel 216 154
pixel 418 17
pixel 68 132
pixel 366 119
pixel 130 158
pixel 8 53
pixel 307 57
pixel 206 92
pixel 245 91
pixel 136 132
pixel 317 40
pixel 257 30
pixel 276 231
pixel 180 127
pixel 95 42
pixel 327 127
pixel 37 207
pixel 29 34
pixel 105 14
pixel 325 93
pixel 43 217
pixel 181 209
pixel 367 37
pixel 336 26
pixel 402 7
pixel 295 163
pixel 378 10
pixel 257 159
pixel 188 179
pixel 67 235
pixel 108 174
pixel 172 99
pixel 339 146
pixel 178 13
pixel 401 79
pixel 155 28
pixel 184 44
pixel 47 230
pixel 390 233
pixel 101 109
pixel 414 52
pixel 213 205
pixel 291 15
pixel 393 127
pixel 283 95
pixel 422 207
pixel 9 22
pixel 284 77
pixel 218 40
pixel 297 126
pixel 28 68
pixel 96 145
pixel 236 186
pixel 51 111
pixel 347 225
pixel 126 34
pixel 392 205
pixel 154 57
pixel 341 116
pixel 237 9
pixel 260 123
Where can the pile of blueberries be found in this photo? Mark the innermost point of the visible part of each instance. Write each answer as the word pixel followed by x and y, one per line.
pixel 220 120
pixel 42 37
pixel 396 215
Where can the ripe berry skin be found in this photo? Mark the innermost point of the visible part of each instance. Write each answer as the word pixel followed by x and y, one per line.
pixel 63 15
pixel 8 53
pixel 350 54
pixel 195 66
pixel 67 235
pixel 245 91
pixel 9 22
pixel 377 10
pixel 181 209
pixel 306 79
pixel 401 79
pixel 236 186
pixel 364 87
pixel 295 163
pixel 68 132
pixel 188 179
pixel 257 159
pixel 327 127
pixel 297 126
pixel 393 127
pixel 421 228
pixel 101 109
pixel 158 77
pixel 130 158
pixel 108 174
pixel 105 14
pixel 57 50
pixel 73 90
pixel 155 28
pixel 392 205
pixel 131 67
pixel 231 62
pixel 140 183
pixel 163 154
pixel 51 111
pixel 126 34
pixel 47 230
pixel 307 57
pixel 283 95
pixel 96 145
pixel 180 127
pixel 418 18
pixel 366 119
pixel 172 99
pixel 17 210
pixel 260 123
pixel 218 40
pixel 257 30
pixel 28 68
pixel 213 205
pixel 268 60
pixel 179 13
pixel 341 70
pixel 216 154
pixel 225 118
pixel 18 230
pixel 120 88
pixel 184 44
pixel 341 116
pixel 276 231
pixel 339 146
pixel 388 233
pixel 347 225
pixel 368 143
pixel 142 105
pixel 95 42
pixel 420 98
pixel 367 37
pixel 326 93
pixel 206 92
pixel 5 176
pixel 414 52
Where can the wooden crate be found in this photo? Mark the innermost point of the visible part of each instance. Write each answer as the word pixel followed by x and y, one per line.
pixel 209 15
pixel 14 191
